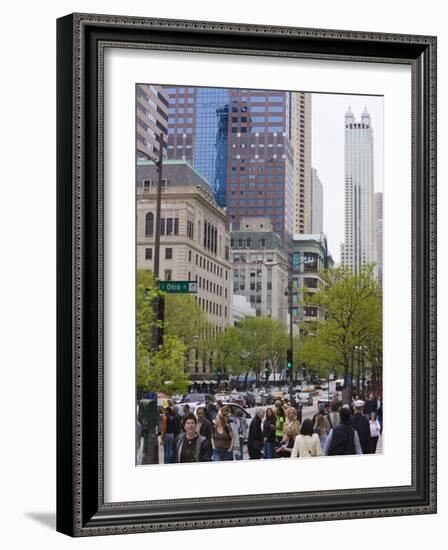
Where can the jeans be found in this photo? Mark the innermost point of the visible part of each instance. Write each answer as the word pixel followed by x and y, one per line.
pixel 269 449
pixel 240 454
pixel 168 448
pixel 222 455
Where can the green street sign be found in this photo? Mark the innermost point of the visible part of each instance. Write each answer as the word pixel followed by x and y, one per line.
pixel 178 287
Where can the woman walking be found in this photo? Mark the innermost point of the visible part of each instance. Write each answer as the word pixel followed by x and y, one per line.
pixel 222 440
pixel 291 423
pixel 375 430
pixel 320 428
pixel 269 433
pixel 307 442
pixel 279 421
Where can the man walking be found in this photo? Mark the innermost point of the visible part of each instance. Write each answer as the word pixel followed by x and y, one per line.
pixel 255 439
pixel 361 425
pixel 189 446
pixel 204 426
pixel 343 439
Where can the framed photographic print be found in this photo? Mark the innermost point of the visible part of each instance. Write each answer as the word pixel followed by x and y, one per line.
pixel 246 275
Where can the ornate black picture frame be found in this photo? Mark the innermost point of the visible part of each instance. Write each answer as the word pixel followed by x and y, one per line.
pixel 81 509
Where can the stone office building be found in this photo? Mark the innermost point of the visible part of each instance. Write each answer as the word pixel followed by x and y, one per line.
pixel 194 242
pixel 260 267
pixel 310 257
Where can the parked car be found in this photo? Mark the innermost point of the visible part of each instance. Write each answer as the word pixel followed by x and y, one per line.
pixel 304 399
pixel 233 406
pixel 198 397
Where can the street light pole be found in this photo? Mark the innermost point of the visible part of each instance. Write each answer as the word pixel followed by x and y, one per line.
pixel 291 341
pixel 158 304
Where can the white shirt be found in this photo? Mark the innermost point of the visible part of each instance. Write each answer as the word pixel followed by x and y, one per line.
pixel 375 428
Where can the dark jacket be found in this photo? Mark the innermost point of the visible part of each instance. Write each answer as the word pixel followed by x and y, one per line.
pixel 203 451
pixel 255 439
pixel 206 429
pixel 362 426
pixel 370 407
pixel 269 429
pixel 342 440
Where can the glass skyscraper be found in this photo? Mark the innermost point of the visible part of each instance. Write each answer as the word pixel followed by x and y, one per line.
pixel 242 143
pixel 211 138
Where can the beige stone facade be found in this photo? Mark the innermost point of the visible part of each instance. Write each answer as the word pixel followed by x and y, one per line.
pixel 260 268
pixel 194 243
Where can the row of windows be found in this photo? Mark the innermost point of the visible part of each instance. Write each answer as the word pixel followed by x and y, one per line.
pixel 180 120
pixel 210 286
pixel 257 129
pixel 168 226
pixel 258 287
pixel 211 307
pixel 258 99
pixel 180 130
pixel 257 119
pixel 181 100
pixel 172 91
pixel 253 258
pixel 180 110
pixel 210 266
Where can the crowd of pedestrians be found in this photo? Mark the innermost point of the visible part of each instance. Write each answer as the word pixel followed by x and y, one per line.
pixel 274 432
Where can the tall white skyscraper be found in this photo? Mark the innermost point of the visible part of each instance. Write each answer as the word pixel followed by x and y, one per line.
pixel 317 203
pixel 359 230
pixel 301 117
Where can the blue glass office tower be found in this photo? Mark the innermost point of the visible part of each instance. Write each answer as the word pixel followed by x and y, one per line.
pixel 211 138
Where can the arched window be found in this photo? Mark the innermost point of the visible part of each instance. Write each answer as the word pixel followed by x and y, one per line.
pixel 149 227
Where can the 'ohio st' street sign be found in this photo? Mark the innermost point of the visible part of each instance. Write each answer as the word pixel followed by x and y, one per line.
pixel 179 287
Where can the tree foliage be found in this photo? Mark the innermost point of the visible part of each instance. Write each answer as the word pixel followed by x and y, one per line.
pixel 247 346
pixel 352 305
pixel 163 371
pixel 186 327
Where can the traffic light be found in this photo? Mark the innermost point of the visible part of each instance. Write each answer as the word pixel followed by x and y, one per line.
pixel 267 371
pixel 289 360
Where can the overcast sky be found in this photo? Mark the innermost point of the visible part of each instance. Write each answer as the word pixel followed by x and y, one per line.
pixel 328 112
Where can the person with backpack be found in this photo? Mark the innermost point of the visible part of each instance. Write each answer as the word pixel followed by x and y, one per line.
pixel 343 439
pixel 332 418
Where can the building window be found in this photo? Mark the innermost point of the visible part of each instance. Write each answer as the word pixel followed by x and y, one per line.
pixel 168 253
pixel 189 255
pixel 168 274
pixel 149 225
pixel 148 253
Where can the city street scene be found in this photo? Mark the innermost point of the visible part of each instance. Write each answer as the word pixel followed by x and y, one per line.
pixel 258 274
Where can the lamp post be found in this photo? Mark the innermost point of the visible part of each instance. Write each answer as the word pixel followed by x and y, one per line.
pixel 290 351
pixel 158 303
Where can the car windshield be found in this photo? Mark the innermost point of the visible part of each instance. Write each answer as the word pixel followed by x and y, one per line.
pixel 192 397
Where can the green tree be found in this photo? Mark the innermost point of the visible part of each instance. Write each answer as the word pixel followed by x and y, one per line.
pixel 229 351
pixel 163 371
pixel 352 305
pixel 262 339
